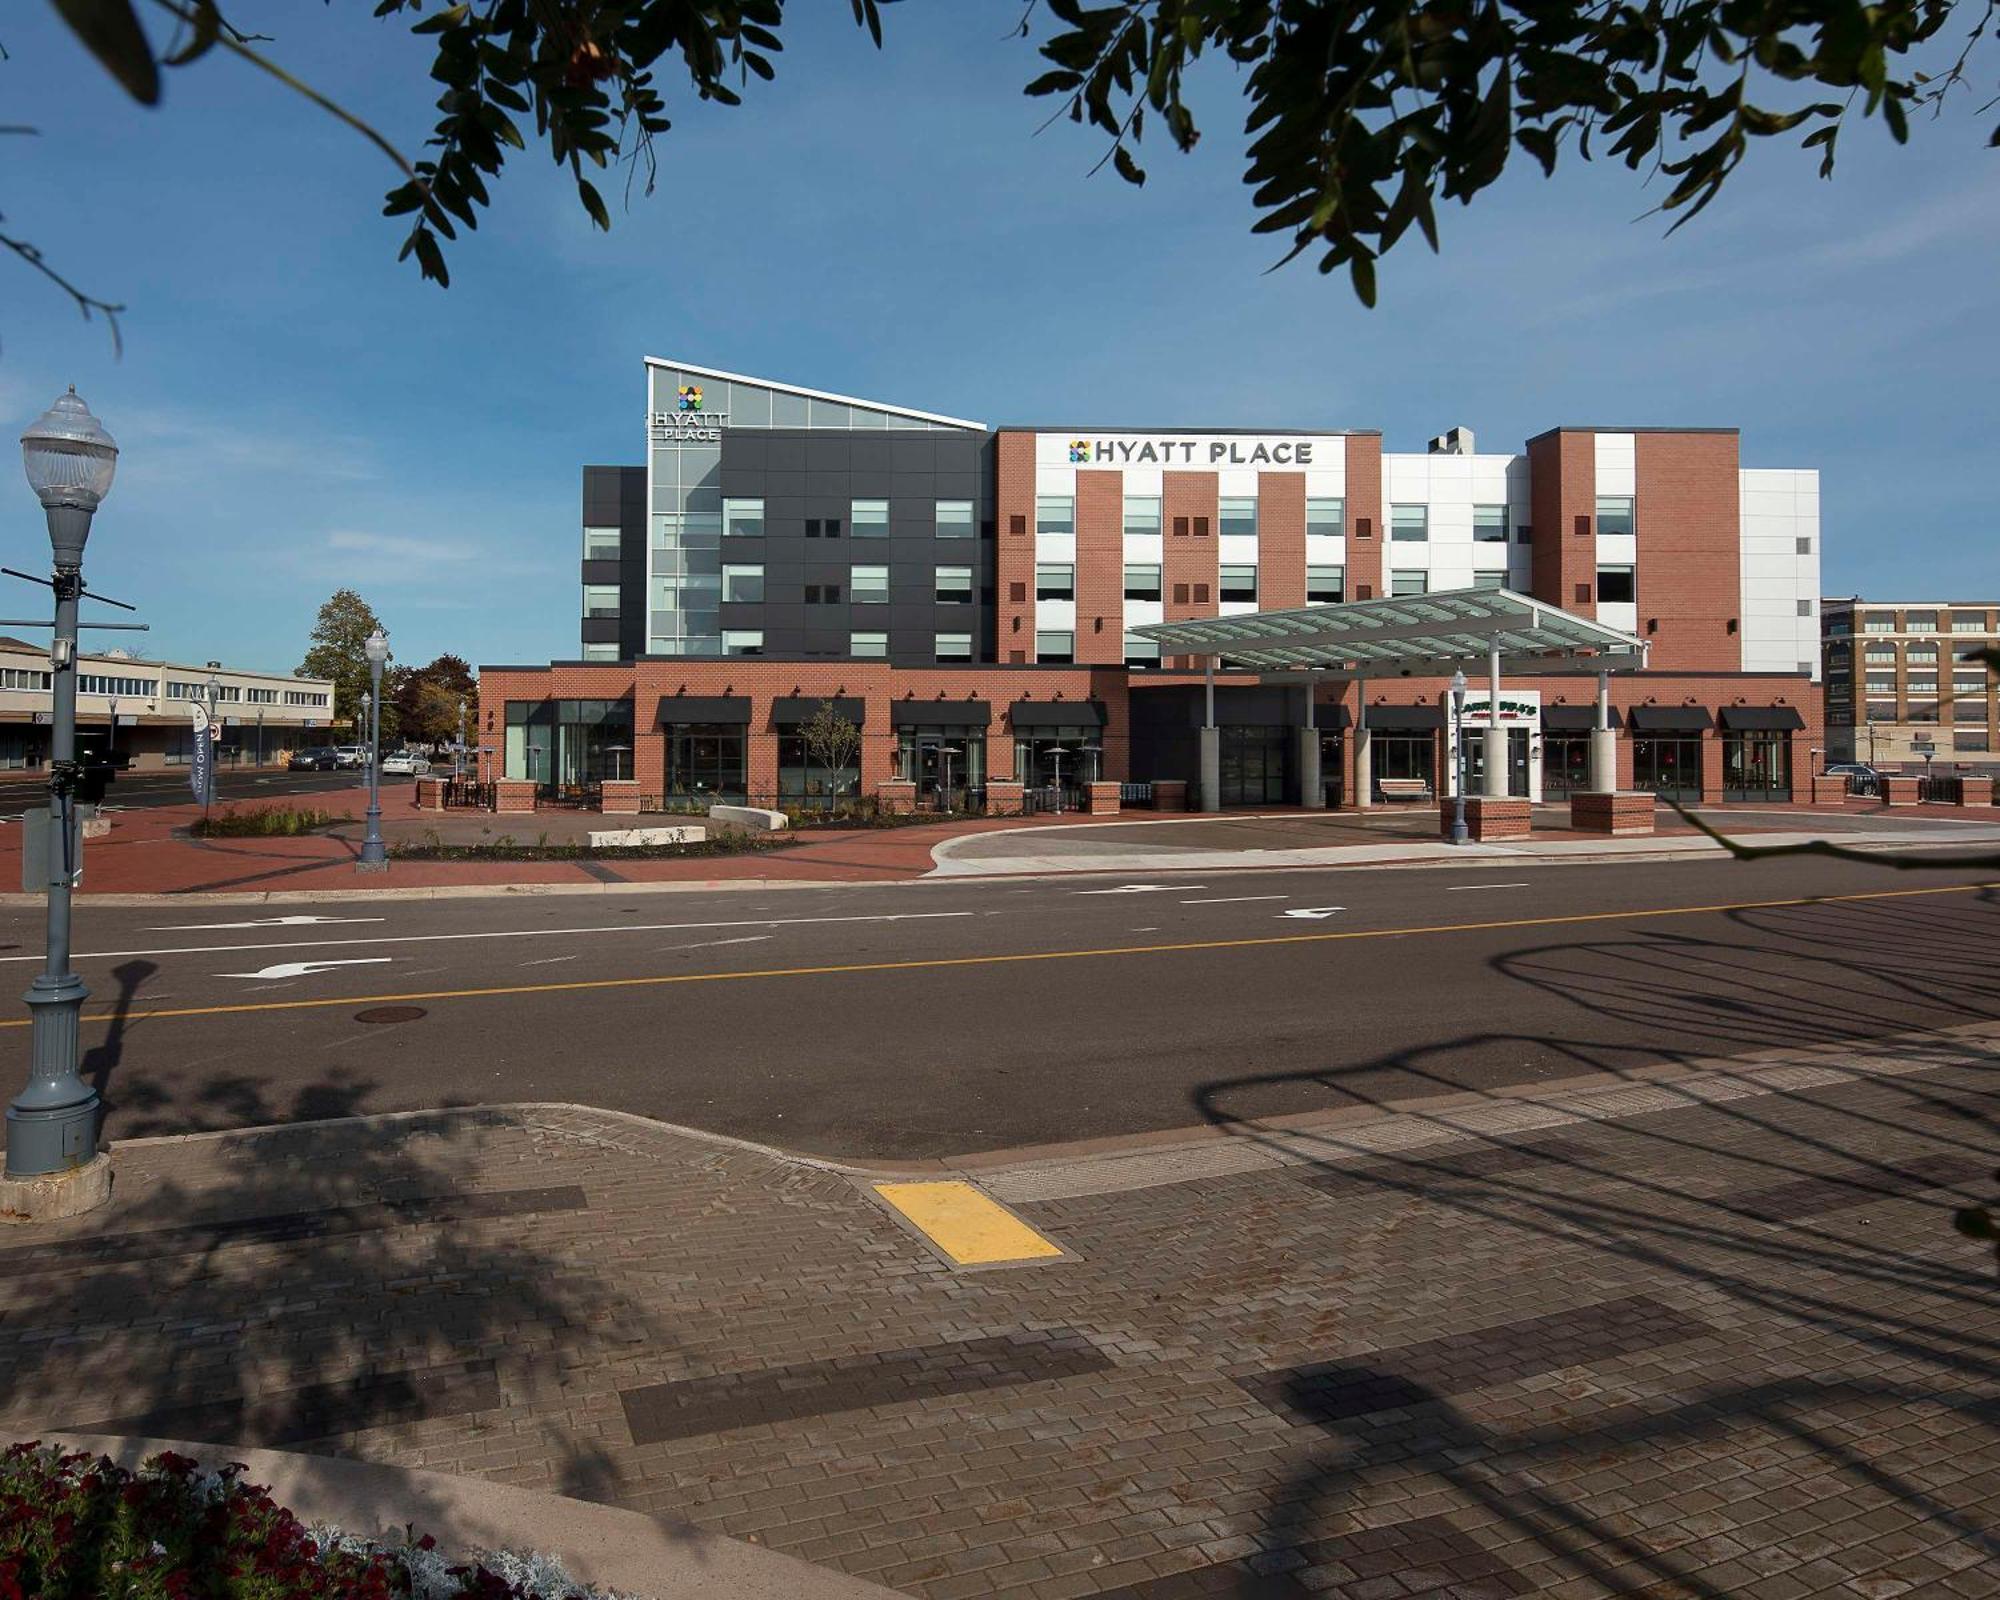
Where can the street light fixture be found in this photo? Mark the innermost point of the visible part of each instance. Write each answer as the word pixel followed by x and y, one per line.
pixel 1458 830
pixel 374 858
pixel 52 1123
pixel 946 752
pixel 213 689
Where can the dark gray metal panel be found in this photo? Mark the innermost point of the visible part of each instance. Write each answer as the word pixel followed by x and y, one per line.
pixel 609 570
pixel 600 630
pixel 703 708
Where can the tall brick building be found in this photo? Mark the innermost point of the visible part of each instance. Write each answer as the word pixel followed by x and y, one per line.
pixel 967 594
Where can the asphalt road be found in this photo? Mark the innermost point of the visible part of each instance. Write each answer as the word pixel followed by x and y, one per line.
pixel 922 1019
pixel 138 791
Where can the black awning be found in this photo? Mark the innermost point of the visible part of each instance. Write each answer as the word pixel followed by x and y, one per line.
pixel 1575 719
pixel 1405 719
pixel 1762 719
pixel 704 708
pixel 941 714
pixel 1056 713
pixel 791 710
pixel 1671 719
pixel 1332 717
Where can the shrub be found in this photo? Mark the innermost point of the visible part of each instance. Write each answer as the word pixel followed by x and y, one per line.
pixel 274 822
pixel 73 1527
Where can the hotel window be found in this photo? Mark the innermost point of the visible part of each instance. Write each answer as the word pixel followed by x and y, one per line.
pixel 1614 586
pixel 822 594
pixel 1878 625
pixel 1055 580
pixel 1055 513
pixel 1326 517
pixel 1055 648
pixel 742 641
pixel 1142 582
pixel 743 584
pixel 1489 524
pixel 1142 513
pixel 868 646
pixel 1141 652
pixel 954 519
pixel 954 647
pixel 1326 586
pixel 1238 515
pixel 600 652
pixel 1410 523
pixel 1614 515
pixel 600 544
pixel 869 586
pixel 742 519
pixel 23 678
pixel 1920 622
pixel 1239 583
pixel 869 519
pixel 1409 583
pixel 954 586
pixel 600 599
pixel 1490 580
pixel 1976 623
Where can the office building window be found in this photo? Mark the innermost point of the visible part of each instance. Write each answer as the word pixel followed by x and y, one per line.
pixel 101 683
pixel 600 599
pixel 868 646
pixel 1055 580
pixel 1927 684
pixel 1961 682
pixel 1614 515
pixel 954 585
pixel 822 594
pixel 305 697
pixel 1055 647
pixel 743 584
pixel 1839 627
pixel 1489 580
pixel 1922 711
pixel 1326 586
pixel 1141 652
pixel 1326 517
pixel 1489 524
pixel 1879 655
pixel 742 641
pixel 1920 622
pixel 954 519
pixel 1238 514
pixel 600 544
pixel 1409 583
pixel 1968 741
pixel 869 585
pixel 1142 582
pixel 261 697
pixel 954 647
pixel 600 652
pixel 1881 711
pixel 869 519
pixel 1410 523
pixel 1055 513
pixel 1614 586
pixel 742 519
pixel 1975 623
pixel 27 678
pixel 1239 583
pixel 1142 513
pixel 1969 710
pixel 1880 683
pixel 1921 654
pixel 1878 625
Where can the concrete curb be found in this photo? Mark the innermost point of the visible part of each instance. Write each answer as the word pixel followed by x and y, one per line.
pixel 613 1548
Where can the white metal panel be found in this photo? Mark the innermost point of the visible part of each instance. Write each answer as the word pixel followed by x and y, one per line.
pixel 1617 463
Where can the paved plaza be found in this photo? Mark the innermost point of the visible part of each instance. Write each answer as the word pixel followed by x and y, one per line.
pixel 1689 1332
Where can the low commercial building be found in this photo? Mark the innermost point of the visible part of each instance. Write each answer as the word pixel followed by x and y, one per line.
pixel 264 715
pixel 1900 691
pixel 975 599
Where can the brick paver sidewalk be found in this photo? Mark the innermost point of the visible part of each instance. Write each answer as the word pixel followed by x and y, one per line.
pixel 1710 1340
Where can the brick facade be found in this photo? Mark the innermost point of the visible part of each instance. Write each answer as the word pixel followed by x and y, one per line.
pixel 1014 548
pixel 1562 468
pixel 1100 568
pixel 1281 540
pixel 1191 568
pixel 1689 577
pixel 1366 530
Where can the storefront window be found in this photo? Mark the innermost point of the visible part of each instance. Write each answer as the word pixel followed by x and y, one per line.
pixel 566 745
pixel 1756 766
pixel 707 760
pixel 944 763
pixel 1068 753
pixel 1668 766
pixel 1403 755
pixel 808 783
pixel 1565 764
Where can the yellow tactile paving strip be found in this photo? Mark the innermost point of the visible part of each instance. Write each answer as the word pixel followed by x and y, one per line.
pixel 971 1228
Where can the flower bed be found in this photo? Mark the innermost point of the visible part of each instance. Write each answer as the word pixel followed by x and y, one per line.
pixel 269 822
pixel 723 842
pixel 76 1527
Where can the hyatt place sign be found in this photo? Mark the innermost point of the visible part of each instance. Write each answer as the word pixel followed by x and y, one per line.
pixel 1227 450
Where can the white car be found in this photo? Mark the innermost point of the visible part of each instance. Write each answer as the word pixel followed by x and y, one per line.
pixel 406 762
pixel 351 755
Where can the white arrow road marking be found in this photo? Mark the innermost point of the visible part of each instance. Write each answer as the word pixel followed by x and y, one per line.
pixel 266 922
pixel 1145 888
pixel 1317 912
pixel 1235 899
pixel 299 969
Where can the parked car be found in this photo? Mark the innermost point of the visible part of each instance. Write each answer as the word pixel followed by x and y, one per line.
pixel 321 758
pixel 352 755
pixel 406 761
pixel 1849 769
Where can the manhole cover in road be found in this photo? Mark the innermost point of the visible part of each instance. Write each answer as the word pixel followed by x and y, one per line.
pixel 390 1014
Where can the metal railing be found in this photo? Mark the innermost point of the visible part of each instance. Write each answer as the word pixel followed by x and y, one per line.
pixel 465 794
pixel 1135 794
pixel 1940 790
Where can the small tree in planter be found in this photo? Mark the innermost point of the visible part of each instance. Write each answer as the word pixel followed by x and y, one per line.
pixel 833 743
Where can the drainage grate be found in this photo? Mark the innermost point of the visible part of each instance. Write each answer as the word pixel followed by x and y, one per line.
pixel 391 1014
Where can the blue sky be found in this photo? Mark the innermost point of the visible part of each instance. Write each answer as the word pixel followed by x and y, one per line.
pixel 299 411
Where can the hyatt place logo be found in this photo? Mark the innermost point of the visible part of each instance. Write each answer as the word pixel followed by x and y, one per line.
pixel 1079 450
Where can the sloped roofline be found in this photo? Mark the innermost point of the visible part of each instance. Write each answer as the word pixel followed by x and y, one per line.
pixel 812 394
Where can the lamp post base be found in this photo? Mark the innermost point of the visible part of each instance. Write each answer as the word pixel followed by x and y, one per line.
pixel 51 1195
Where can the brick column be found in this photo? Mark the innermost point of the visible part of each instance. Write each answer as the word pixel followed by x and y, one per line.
pixel 1100 568
pixel 1281 540
pixel 1562 469
pixel 1366 530
pixel 1014 544
pixel 1711 764
pixel 1191 570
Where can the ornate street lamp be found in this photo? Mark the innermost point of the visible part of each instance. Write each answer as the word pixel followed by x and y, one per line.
pixel 52 1123
pixel 1458 830
pixel 374 858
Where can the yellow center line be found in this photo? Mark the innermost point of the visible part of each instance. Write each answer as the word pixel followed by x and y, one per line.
pixel 579 985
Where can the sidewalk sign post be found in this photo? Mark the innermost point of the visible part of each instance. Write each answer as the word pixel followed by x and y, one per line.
pixel 374 858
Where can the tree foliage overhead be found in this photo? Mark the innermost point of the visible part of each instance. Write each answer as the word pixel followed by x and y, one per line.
pixel 1361 114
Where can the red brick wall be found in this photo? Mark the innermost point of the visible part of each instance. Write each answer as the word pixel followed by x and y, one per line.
pixel 1014 568
pixel 1364 507
pixel 1689 580
pixel 1281 540
pixel 1562 470
pixel 1191 569
pixel 1100 567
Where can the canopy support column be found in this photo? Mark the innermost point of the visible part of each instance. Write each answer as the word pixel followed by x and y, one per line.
pixel 1312 786
pixel 1210 741
pixel 1496 732
pixel 1603 743
pixel 1364 752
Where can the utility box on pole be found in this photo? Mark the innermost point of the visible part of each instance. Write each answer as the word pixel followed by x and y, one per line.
pixel 39 837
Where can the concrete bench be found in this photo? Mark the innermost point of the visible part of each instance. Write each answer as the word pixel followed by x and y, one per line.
pixel 1403 788
pixel 680 834
pixel 756 818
